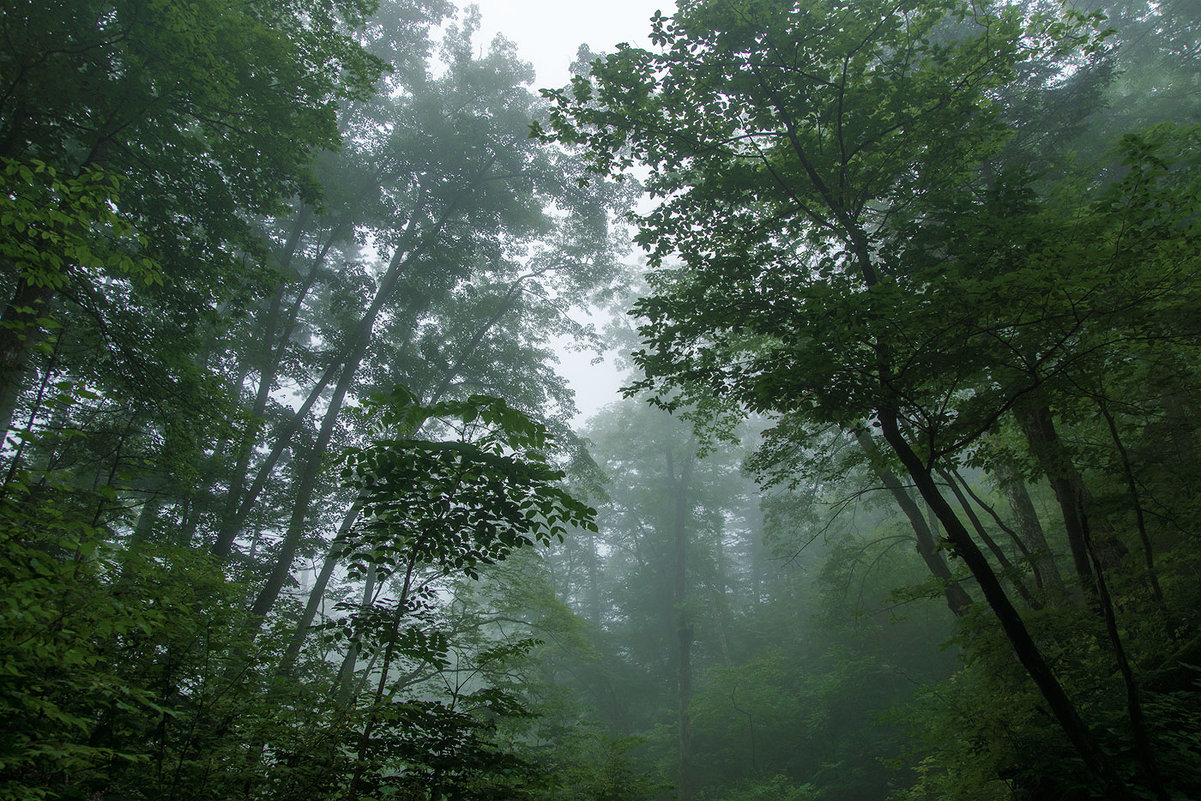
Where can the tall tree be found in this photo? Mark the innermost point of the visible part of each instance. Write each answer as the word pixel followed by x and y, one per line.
pixel 801 152
pixel 206 114
pixel 464 205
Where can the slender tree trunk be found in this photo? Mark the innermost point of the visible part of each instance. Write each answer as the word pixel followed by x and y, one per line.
pixel 147 517
pixel 317 593
pixel 592 575
pixel 389 652
pixel 1137 502
pixel 998 553
pixel 717 601
pixel 43 387
pixel 1036 423
pixel 1011 484
pixel 1023 644
pixel 238 500
pixel 348 363
pixel 306 487
pixel 443 386
pixel 679 484
pixel 965 487
pixel 360 341
pixel 927 546
pixel 1134 707
pixel 19 332
pixel 233 524
pixel 345 690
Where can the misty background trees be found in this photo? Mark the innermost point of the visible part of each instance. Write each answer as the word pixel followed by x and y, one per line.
pixel 898 504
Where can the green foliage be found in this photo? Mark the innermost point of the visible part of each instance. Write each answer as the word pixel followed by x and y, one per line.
pixel 131 672
pixel 456 505
pixel 53 223
pixel 852 233
pixel 434 747
pixel 207 113
pixel 983 733
pixel 777 788
pixel 778 163
pixel 592 766
pixel 145 146
pixel 109 653
pixel 212 214
pixel 91 82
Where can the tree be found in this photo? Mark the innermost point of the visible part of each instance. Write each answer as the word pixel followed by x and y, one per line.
pixel 802 152
pixel 200 271
pixel 206 113
pixel 482 233
pixel 443 508
pixel 791 662
pixel 657 582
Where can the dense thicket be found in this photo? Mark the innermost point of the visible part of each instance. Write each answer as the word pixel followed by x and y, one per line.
pixel 289 502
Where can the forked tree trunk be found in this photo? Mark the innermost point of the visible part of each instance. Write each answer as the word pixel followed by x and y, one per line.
pixel 1003 560
pixel 926 543
pixel 277 330
pixel 306 487
pixel 1024 647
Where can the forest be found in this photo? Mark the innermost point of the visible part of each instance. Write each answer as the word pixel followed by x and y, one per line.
pixel 296 502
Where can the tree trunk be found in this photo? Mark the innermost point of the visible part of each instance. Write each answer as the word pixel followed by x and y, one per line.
pixel 306 487
pixel 238 500
pixel 592 571
pixel 1136 501
pixel 233 523
pixel 927 546
pixel 1036 423
pixel 349 363
pixel 414 243
pixel 389 652
pixel 1023 644
pixel 1011 484
pixel 317 593
pixel 344 690
pixel 679 485
pixel 1134 706
pixel 359 341
pixel 1018 542
pixel 998 553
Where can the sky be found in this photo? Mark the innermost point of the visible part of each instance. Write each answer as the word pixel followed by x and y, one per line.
pixel 548 34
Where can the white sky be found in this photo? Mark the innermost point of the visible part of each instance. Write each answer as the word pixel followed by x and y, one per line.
pixel 548 34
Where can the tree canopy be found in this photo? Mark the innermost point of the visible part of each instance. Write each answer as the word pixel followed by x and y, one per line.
pixel 848 236
pixel 900 503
